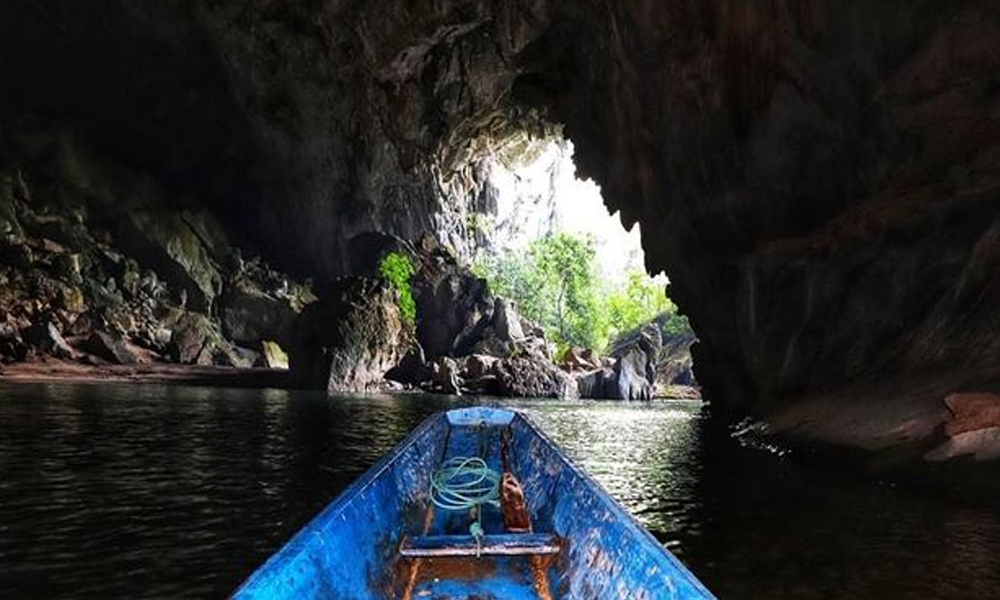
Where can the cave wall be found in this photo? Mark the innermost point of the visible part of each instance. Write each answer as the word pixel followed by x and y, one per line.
pixel 819 178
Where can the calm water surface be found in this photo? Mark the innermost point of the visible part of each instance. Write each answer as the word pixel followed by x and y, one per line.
pixel 164 492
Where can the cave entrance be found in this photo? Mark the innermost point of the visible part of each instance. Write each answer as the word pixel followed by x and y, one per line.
pixel 543 237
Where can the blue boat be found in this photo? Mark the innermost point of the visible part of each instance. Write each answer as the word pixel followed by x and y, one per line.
pixel 476 503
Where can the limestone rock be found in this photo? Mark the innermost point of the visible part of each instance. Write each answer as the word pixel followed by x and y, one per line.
pixel 532 378
pixel 45 337
pixel 593 384
pixel 412 369
pixel 110 348
pixel 12 347
pixel 347 341
pixel 579 359
pixel 196 340
pixel 164 242
pixel 250 314
pixel 454 307
pixel 273 356
pixel 444 376
pixel 478 366
pixel 506 321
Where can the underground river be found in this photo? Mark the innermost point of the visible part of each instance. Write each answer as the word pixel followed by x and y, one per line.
pixel 154 492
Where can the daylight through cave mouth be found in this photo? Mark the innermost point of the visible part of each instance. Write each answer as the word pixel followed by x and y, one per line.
pixel 542 236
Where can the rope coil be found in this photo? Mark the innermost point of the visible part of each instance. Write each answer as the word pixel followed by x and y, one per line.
pixel 466 484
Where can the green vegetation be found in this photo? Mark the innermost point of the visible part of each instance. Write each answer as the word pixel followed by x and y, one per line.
pixel 398 270
pixel 557 285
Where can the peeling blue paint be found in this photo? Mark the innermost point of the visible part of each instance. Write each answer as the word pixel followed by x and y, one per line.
pixel 350 551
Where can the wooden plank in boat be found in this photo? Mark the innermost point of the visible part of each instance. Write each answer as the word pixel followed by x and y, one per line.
pixel 507 544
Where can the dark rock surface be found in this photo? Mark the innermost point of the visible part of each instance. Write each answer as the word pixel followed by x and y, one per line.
pixel 110 348
pixel 533 378
pixel 350 338
pixel 454 307
pixel 122 286
pixel 819 179
pixel 45 336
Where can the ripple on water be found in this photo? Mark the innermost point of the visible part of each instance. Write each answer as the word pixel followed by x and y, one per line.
pixel 148 491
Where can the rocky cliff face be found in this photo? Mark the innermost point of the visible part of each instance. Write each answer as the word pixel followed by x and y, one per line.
pixel 97 268
pixel 819 179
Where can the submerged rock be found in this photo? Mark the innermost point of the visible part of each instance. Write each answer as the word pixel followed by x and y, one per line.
pixel 349 340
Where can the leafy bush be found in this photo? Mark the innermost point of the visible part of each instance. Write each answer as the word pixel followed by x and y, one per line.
pixel 398 270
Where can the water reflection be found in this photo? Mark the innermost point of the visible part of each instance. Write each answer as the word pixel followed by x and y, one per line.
pixel 146 491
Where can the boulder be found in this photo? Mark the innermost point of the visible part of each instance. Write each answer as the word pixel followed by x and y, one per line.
pixel 675 365
pixel 454 307
pixel 533 378
pixel 509 335
pixel 536 346
pixel 490 344
pixel 12 347
pixel 246 358
pixel 45 337
pixel 577 359
pixel 637 361
pixel 634 376
pixel 478 366
pixel 163 241
pixel 506 321
pixel 273 356
pixel 349 340
pixel 188 341
pixel 593 384
pixel 444 376
pixel 195 339
pixel 412 369
pixel 110 348
pixel 250 314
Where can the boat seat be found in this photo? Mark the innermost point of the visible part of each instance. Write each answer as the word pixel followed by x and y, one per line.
pixel 505 544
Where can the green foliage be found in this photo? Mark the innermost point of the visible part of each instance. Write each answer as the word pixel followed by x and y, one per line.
pixel 398 271
pixel 556 284
pixel 637 303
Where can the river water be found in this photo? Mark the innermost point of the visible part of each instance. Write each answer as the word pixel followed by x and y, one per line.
pixel 170 492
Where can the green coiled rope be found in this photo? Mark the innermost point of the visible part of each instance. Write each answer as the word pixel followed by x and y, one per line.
pixel 466 484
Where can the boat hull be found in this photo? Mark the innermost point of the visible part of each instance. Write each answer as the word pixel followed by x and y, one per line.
pixel 354 549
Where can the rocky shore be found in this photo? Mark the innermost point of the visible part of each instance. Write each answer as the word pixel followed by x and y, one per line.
pixel 120 279
pixel 123 286
pixel 464 340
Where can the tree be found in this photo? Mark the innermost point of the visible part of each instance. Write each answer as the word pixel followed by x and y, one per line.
pixel 641 300
pixel 555 283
